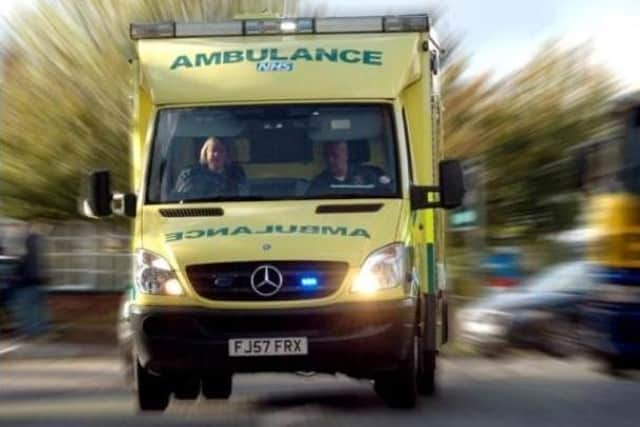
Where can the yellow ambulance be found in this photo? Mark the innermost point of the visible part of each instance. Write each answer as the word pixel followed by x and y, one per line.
pixel 286 176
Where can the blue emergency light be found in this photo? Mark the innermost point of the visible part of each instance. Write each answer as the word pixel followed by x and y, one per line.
pixel 309 281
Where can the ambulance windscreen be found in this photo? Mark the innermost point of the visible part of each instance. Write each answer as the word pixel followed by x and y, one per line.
pixel 273 152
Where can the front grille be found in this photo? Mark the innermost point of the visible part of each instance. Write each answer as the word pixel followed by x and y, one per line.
pixel 232 281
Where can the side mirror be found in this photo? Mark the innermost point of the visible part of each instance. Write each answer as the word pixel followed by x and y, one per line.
pixel 100 196
pixel 125 204
pixel 450 191
pixel 451 184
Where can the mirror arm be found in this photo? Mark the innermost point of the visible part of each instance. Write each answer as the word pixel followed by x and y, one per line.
pixel 420 197
pixel 122 201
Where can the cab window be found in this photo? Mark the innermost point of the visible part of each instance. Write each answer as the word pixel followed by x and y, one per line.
pixel 273 153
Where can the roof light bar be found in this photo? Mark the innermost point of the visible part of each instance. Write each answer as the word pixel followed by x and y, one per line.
pixel 256 27
pixel 288 26
pixel 408 23
pixel 302 26
pixel 223 28
pixel 278 26
pixel 349 25
pixel 379 24
pixel 157 30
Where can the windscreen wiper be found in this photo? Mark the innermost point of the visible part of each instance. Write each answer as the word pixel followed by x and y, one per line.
pixel 350 196
pixel 223 199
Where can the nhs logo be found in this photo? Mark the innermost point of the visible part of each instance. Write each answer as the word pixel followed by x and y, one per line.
pixel 271 66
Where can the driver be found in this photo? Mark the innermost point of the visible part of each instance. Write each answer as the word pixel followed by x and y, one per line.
pixel 339 175
pixel 215 175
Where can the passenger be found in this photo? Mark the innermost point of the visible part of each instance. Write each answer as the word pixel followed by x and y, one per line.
pixel 215 175
pixel 340 176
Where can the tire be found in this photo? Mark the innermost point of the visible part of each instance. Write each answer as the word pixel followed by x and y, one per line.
pixel 153 391
pixel 399 389
pixel 427 373
pixel 614 366
pixel 445 321
pixel 217 386
pixel 187 388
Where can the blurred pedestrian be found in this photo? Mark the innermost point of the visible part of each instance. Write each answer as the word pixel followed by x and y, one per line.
pixel 9 280
pixel 29 297
pixel 5 294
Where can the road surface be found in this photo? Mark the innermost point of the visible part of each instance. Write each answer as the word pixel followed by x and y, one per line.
pixel 523 391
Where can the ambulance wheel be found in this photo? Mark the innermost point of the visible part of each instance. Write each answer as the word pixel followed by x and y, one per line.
pixel 187 389
pixel 217 386
pixel 427 373
pixel 153 391
pixel 399 389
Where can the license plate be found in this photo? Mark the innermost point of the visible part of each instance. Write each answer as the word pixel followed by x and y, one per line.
pixel 251 347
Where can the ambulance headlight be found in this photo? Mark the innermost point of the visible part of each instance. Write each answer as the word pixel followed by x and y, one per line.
pixel 386 268
pixel 154 275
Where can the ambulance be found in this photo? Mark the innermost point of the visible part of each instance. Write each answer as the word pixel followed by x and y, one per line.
pixel 287 177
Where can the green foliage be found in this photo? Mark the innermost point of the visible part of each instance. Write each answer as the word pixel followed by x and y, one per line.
pixel 522 127
pixel 65 94
pixel 65 107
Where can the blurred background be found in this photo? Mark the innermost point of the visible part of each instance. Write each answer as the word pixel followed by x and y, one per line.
pixel 541 105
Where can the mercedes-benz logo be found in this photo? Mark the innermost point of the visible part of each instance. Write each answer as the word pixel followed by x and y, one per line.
pixel 266 280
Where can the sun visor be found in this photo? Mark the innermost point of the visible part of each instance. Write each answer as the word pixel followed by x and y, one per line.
pixel 345 125
pixel 207 123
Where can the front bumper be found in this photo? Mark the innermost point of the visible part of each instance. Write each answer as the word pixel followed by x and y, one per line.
pixel 359 339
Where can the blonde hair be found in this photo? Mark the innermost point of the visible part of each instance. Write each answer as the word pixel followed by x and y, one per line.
pixel 208 145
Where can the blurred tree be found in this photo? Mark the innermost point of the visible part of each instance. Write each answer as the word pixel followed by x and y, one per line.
pixel 65 107
pixel 522 126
